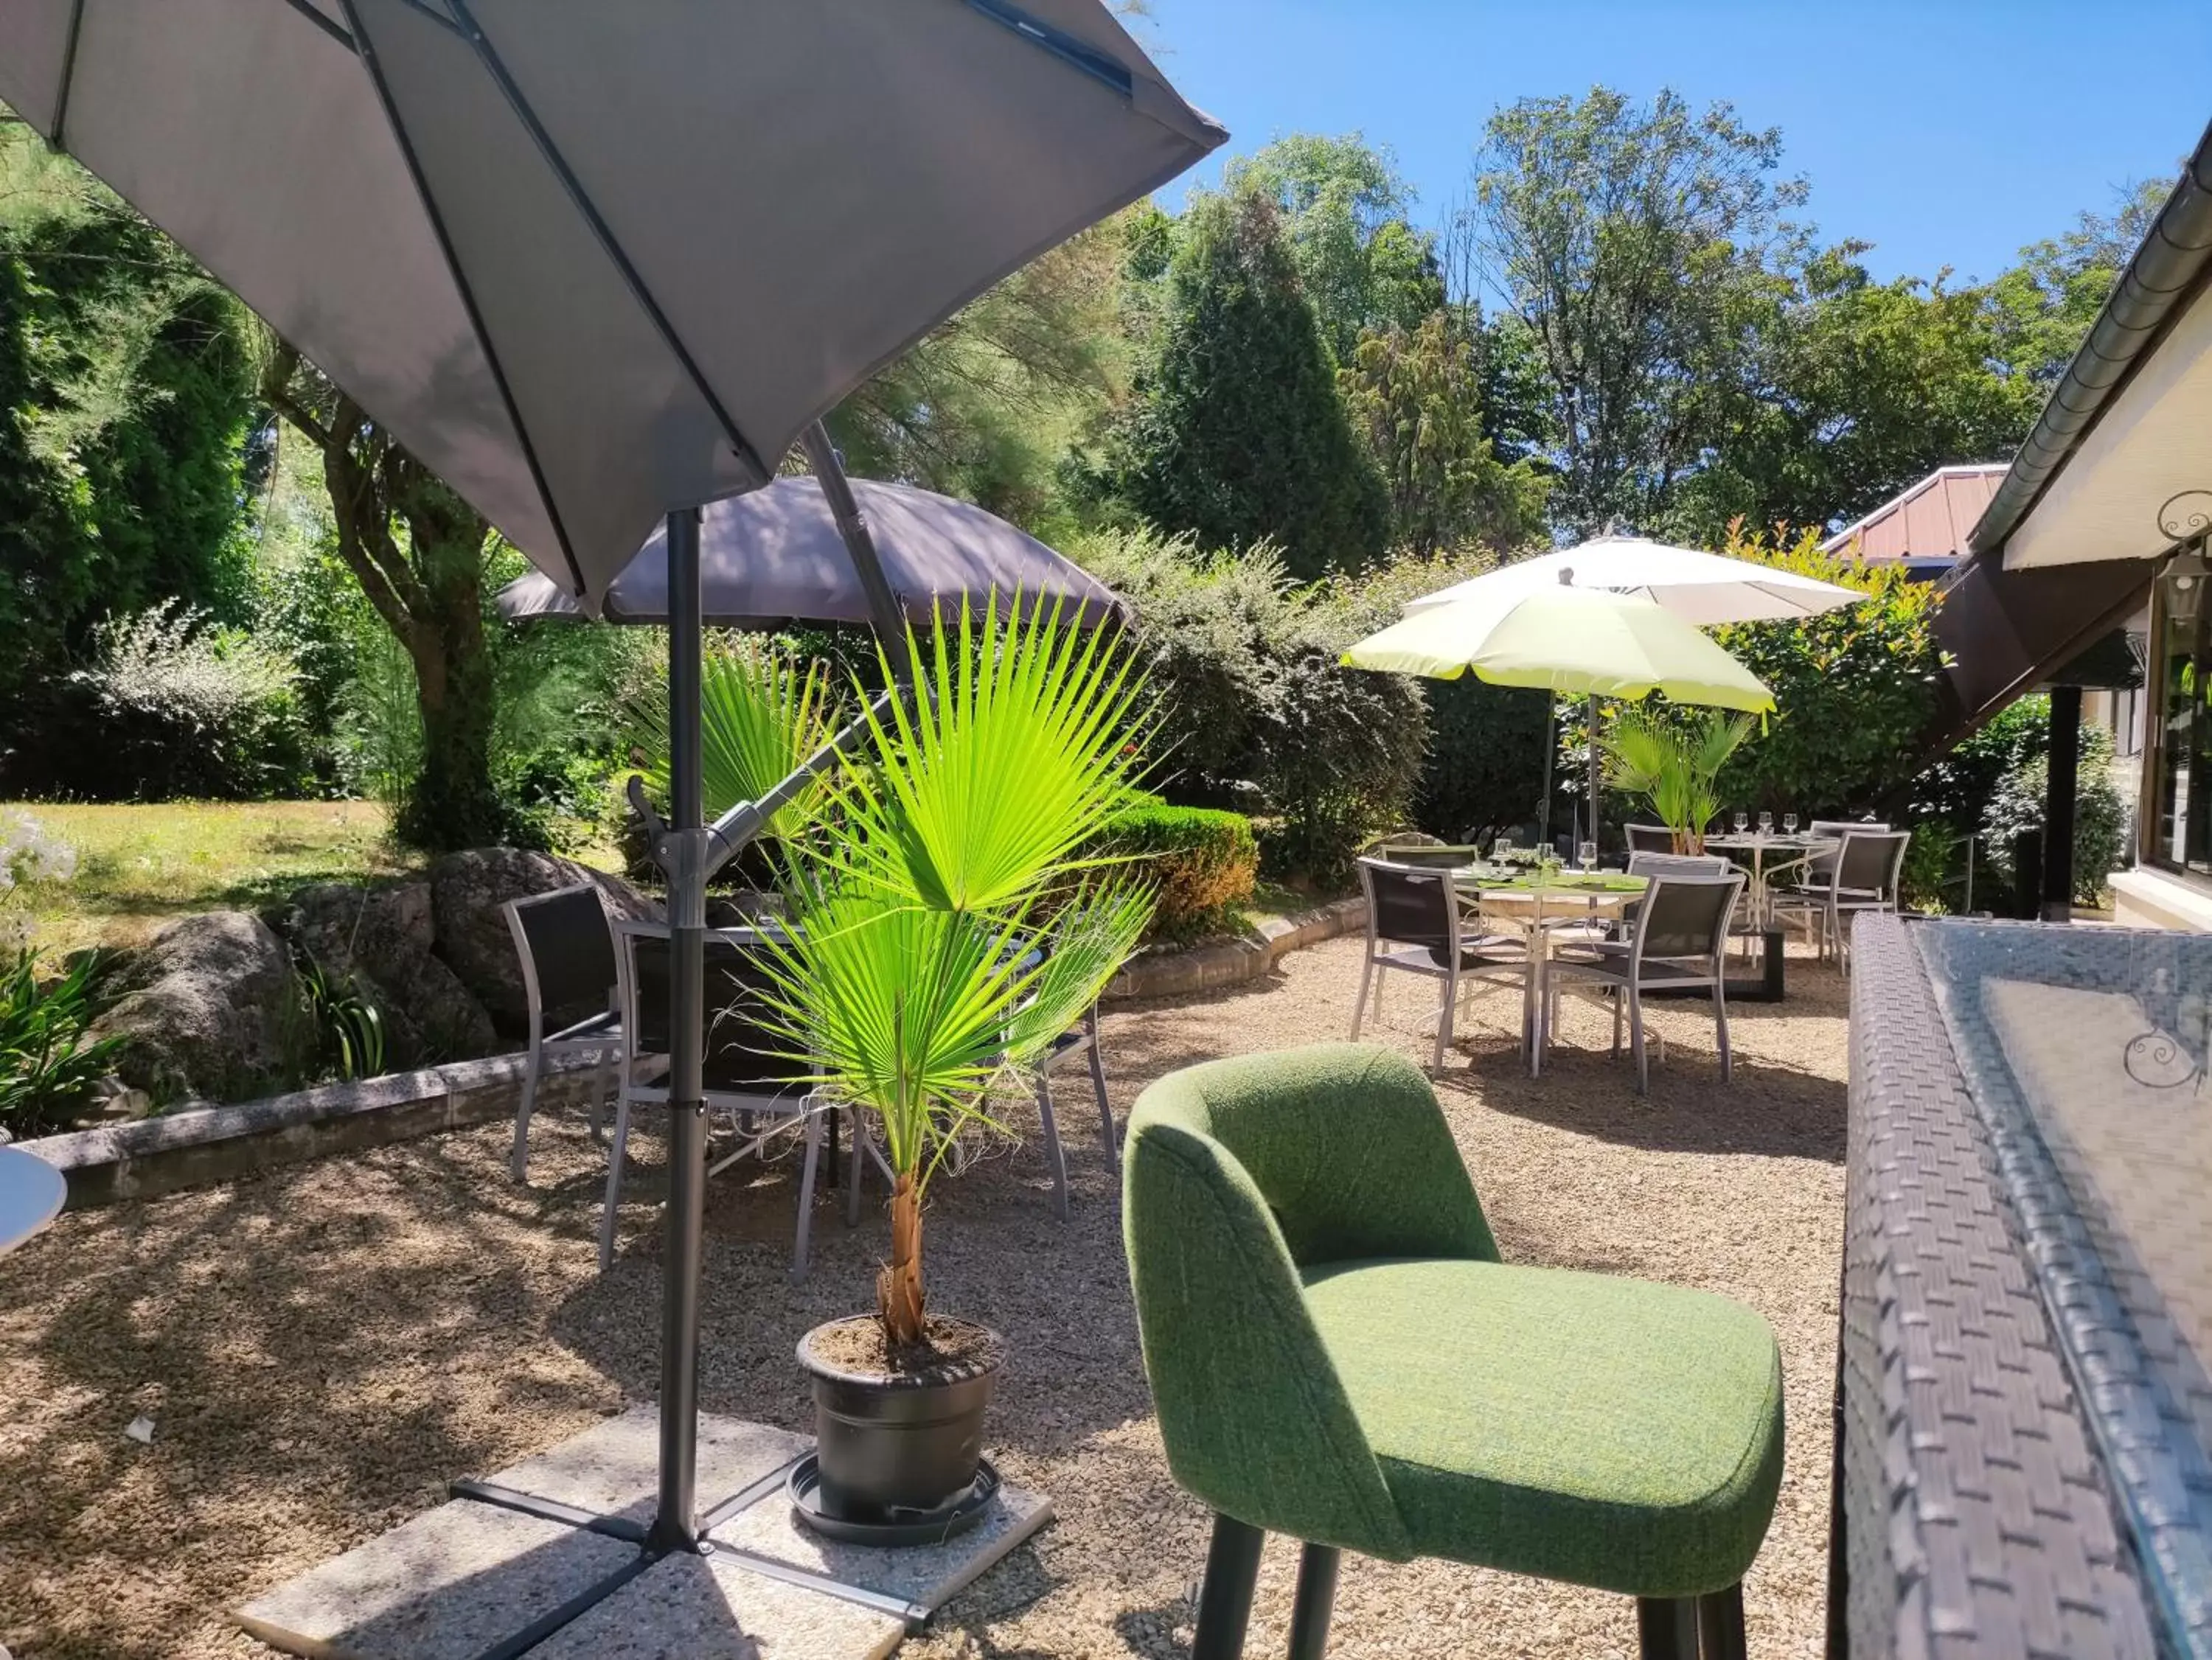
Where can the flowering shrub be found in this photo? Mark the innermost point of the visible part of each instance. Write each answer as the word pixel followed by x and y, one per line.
pixel 27 854
pixel 177 707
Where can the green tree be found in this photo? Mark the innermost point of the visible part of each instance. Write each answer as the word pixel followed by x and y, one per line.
pixel 1235 432
pixel 125 401
pixel 1346 209
pixel 983 407
pixel 419 553
pixel 1854 389
pixel 1628 239
pixel 2050 300
pixel 1416 396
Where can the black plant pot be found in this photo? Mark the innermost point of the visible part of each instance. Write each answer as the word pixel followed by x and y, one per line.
pixel 893 1445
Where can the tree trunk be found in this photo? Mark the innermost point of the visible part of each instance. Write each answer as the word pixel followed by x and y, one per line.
pixel 898 1282
pixel 453 803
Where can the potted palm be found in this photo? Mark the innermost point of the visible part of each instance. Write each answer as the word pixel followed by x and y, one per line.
pixel 940 944
pixel 1674 765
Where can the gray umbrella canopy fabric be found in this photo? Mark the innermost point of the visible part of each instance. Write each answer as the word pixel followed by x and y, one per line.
pixel 592 262
pixel 776 556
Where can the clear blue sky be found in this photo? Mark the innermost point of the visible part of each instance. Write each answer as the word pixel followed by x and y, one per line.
pixel 1947 133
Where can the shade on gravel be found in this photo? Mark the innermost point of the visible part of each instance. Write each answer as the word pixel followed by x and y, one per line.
pixel 322 1348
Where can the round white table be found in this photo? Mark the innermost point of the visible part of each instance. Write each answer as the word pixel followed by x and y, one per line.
pixel 31 1195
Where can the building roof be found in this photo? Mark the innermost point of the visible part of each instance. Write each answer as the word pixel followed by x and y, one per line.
pixel 1933 518
pixel 2164 274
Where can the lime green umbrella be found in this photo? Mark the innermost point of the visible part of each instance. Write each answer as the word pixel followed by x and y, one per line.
pixel 1587 641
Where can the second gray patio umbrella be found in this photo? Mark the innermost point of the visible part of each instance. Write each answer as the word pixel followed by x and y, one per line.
pixel 777 555
pixel 595 263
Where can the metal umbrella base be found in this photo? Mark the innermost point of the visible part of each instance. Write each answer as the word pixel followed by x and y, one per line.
pixel 549 1559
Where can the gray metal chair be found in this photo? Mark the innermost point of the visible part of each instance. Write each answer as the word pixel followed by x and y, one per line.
pixel 1678 941
pixel 1863 876
pixel 568 953
pixel 1643 864
pixel 1414 926
pixel 1650 838
pixel 1820 865
pixel 750 1086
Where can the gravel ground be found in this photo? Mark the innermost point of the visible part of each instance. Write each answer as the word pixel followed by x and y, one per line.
pixel 322 1348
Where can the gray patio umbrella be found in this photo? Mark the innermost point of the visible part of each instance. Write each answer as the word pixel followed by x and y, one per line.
pixel 595 263
pixel 776 555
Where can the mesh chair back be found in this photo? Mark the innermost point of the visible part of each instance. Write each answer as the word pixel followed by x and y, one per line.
pixel 571 949
pixel 1410 905
pixel 1685 916
pixel 1428 856
pixel 1869 862
pixel 743 1056
pixel 1650 838
pixel 1679 865
pixel 1822 865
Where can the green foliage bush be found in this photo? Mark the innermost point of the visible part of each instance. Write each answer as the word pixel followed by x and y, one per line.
pixel 1200 860
pixel 2099 815
pixel 1854 688
pixel 47 1069
pixel 173 706
pixel 1256 713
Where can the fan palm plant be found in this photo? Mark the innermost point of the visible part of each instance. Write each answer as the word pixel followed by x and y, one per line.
pixel 1674 765
pixel 762 713
pixel 956 929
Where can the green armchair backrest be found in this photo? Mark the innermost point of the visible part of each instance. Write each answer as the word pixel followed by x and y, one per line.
pixel 1239 1174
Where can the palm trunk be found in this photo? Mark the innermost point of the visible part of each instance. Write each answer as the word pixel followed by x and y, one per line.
pixel 898 1282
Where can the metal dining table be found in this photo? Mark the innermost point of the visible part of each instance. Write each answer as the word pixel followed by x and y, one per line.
pixel 31 1192
pixel 1539 906
pixel 1768 856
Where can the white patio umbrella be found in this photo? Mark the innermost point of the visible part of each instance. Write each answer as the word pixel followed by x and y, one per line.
pixel 595 264
pixel 1701 588
pixel 1706 589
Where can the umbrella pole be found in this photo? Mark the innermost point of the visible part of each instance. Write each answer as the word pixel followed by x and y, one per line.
pixel 1550 742
pixel 675 1525
pixel 1595 839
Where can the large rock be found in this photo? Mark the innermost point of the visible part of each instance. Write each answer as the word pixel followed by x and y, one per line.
pixel 382 938
pixel 210 1009
pixel 466 892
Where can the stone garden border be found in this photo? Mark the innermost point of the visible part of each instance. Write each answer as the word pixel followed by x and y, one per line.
pixel 1231 962
pixel 196 1146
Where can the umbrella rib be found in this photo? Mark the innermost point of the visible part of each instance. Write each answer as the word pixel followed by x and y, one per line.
pixel 467 295
pixel 609 246
pixel 1061 45
pixel 68 75
pixel 329 27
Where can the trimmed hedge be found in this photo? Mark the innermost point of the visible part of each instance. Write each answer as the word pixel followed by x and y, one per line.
pixel 1202 859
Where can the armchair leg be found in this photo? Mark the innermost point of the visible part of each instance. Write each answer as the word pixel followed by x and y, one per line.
pixel 1055 1160
pixel 1667 1627
pixel 615 1155
pixel 1359 1003
pixel 1720 1625
pixel 1224 1601
pixel 1635 1041
pixel 1106 1132
pixel 813 1157
pixel 518 1158
pixel 1315 1597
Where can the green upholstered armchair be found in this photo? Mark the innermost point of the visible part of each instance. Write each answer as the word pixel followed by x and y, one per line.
pixel 1338 1355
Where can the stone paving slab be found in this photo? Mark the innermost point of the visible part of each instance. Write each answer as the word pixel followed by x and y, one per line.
pixel 612 1469
pixel 445 1586
pixel 706 1608
pixel 925 1575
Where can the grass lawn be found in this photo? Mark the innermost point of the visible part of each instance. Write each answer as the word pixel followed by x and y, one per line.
pixel 141 866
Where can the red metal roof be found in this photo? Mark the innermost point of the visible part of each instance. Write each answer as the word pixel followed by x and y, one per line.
pixel 1932 517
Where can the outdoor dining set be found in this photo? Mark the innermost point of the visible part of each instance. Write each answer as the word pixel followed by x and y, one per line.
pixel 1662 926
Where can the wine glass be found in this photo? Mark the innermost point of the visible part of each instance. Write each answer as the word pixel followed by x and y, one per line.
pixel 1788 824
pixel 1586 855
pixel 1741 820
pixel 1502 849
pixel 1766 824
